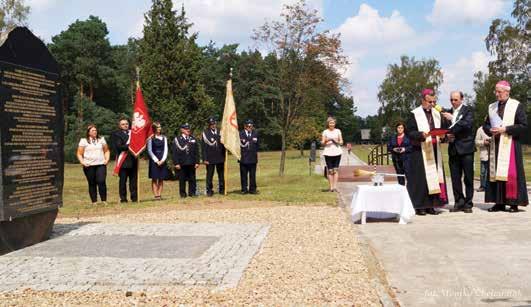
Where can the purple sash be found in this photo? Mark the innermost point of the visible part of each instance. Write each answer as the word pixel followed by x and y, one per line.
pixel 443 196
pixel 511 187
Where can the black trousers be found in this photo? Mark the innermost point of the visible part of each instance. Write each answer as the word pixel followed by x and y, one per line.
pixel 462 171
pixel 96 176
pixel 399 168
pixel 220 168
pixel 131 174
pixel 248 175
pixel 187 174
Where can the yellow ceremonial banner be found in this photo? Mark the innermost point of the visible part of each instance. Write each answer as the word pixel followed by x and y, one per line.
pixel 230 136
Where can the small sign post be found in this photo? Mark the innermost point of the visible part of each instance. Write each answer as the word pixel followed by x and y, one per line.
pixel 313 149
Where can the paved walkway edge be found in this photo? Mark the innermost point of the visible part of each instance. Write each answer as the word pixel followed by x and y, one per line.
pixel 377 274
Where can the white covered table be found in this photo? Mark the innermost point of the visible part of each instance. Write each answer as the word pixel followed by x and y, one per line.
pixel 392 199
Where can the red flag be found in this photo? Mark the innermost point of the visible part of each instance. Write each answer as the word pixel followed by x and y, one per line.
pixel 141 125
pixel 140 131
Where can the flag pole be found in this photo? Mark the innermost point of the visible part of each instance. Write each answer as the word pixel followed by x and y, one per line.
pixel 226 172
pixel 138 158
pixel 226 155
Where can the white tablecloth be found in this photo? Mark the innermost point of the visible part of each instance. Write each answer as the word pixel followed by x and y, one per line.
pixel 391 198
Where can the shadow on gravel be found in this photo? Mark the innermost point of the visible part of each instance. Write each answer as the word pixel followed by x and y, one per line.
pixel 62 229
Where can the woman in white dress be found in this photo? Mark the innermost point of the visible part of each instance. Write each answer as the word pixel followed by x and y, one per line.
pixel 332 141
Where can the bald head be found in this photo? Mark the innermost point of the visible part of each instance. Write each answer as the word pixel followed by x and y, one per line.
pixel 456 99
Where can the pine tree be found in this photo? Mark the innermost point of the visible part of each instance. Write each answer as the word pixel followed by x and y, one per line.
pixel 170 69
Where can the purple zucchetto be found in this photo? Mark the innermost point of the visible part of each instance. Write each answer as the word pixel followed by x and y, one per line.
pixel 504 85
pixel 427 91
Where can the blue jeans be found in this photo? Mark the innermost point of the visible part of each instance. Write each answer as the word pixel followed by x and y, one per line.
pixel 483 174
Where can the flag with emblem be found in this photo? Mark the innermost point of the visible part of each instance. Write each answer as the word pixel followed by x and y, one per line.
pixel 230 136
pixel 140 131
pixel 140 126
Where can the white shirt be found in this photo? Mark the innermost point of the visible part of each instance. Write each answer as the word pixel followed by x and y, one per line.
pixel 93 151
pixel 332 149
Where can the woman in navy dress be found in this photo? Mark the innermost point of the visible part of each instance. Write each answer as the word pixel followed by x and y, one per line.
pixel 157 147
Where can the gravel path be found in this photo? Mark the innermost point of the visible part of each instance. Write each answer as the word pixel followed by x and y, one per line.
pixel 311 256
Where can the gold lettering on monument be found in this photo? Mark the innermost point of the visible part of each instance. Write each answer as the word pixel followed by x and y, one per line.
pixel 30 141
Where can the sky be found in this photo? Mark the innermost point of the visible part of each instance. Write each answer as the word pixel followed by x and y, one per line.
pixel 374 33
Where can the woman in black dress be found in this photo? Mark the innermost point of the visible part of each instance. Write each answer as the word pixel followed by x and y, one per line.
pixel 158 152
pixel 399 146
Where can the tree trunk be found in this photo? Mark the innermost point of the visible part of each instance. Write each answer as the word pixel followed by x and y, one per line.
pixel 282 154
pixel 80 106
pixel 133 92
pixel 301 148
pixel 91 91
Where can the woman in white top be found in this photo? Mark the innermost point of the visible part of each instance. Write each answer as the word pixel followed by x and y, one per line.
pixel 332 141
pixel 483 143
pixel 93 153
pixel 157 147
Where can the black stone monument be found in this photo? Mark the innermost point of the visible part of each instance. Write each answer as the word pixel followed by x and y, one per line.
pixel 31 140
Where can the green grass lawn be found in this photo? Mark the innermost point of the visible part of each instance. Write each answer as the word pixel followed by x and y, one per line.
pixel 295 187
pixel 526 150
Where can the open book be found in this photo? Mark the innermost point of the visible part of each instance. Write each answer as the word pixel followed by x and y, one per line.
pixel 438 132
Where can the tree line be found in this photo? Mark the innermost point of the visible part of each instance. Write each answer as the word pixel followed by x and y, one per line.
pixel 507 40
pixel 288 91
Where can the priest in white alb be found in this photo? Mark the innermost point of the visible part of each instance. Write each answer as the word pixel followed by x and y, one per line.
pixel 507 124
pixel 426 183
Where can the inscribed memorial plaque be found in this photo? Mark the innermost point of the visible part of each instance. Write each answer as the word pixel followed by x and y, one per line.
pixel 31 127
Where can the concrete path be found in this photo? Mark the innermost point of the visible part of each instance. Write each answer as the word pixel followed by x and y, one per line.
pixel 455 259
pixel 350 159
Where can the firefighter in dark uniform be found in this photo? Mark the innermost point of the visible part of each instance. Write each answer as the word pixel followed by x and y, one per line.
pixel 213 156
pixel 249 157
pixel 186 160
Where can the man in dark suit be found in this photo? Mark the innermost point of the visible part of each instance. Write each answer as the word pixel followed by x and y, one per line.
pixel 461 150
pixel 120 143
pixel 186 160
pixel 213 156
pixel 249 157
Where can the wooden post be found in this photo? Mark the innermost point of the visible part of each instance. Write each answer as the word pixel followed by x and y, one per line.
pixel 226 166
pixel 138 157
pixel 378 155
